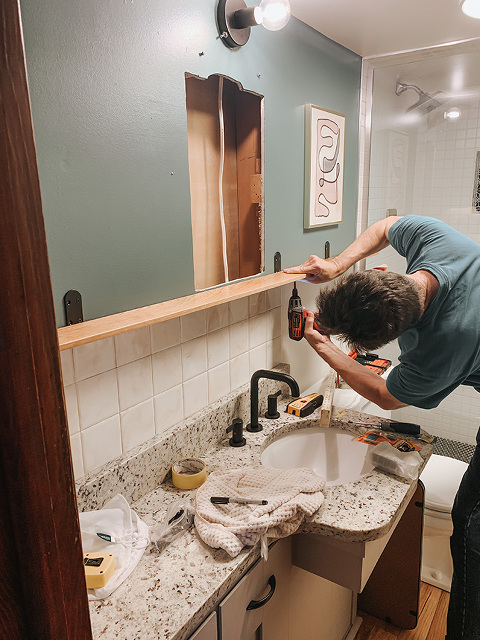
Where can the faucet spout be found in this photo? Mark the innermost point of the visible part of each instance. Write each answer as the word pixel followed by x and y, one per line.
pixel 254 425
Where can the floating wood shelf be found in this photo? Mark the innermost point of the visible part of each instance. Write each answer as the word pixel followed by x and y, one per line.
pixel 100 328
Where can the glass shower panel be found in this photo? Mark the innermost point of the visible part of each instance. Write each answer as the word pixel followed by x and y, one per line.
pixel 425 162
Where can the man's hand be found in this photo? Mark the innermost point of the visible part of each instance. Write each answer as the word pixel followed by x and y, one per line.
pixel 315 338
pixel 317 270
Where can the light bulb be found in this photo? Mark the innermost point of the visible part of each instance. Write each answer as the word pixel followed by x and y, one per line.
pixel 452 114
pixel 274 14
pixel 471 8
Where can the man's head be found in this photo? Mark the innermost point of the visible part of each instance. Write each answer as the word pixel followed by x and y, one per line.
pixel 369 309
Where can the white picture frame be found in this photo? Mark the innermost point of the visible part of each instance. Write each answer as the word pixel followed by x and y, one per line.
pixel 324 166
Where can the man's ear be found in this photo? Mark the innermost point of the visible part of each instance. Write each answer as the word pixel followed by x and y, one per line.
pixel 381 267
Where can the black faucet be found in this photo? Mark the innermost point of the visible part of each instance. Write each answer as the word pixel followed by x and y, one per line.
pixel 254 425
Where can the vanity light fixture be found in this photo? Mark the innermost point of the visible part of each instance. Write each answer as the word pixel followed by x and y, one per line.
pixel 234 19
pixel 471 8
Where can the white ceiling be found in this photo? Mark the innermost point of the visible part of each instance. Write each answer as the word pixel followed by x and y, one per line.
pixel 376 27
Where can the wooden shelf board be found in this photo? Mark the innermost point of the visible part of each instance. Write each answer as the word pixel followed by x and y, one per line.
pixel 100 328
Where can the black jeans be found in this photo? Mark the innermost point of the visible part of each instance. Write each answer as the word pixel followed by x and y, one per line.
pixel 463 622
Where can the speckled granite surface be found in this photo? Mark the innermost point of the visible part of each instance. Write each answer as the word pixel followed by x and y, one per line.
pixel 169 594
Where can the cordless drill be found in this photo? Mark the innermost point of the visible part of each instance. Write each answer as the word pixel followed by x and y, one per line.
pixel 297 315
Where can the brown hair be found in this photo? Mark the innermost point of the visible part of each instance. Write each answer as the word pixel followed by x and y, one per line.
pixel 368 309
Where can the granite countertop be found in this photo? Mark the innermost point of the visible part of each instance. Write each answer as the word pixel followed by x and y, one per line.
pixel 169 594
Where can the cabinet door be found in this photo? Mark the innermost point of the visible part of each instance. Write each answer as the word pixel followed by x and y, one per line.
pixel 208 630
pixel 257 608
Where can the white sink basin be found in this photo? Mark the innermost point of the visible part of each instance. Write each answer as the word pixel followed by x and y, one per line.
pixel 332 453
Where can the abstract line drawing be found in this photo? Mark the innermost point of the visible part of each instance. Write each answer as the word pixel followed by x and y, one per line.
pixel 324 165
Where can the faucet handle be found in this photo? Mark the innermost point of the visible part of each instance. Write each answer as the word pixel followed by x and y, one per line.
pixel 272 413
pixel 237 439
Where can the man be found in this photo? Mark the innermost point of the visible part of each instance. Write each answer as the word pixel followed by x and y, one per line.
pixel 434 311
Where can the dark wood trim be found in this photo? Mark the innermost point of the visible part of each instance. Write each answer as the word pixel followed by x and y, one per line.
pixel 42 592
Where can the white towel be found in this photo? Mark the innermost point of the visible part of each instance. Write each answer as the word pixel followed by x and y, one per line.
pixel 291 494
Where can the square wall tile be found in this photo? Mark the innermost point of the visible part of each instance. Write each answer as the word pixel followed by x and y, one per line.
pixel 77 457
pixel 97 398
pixel 273 298
pixel 195 394
pixel 217 317
pixel 168 408
pixel 218 347
pixel 237 310
pixel 71 406
pixel 165 334
pixel 94 358
pixel 257 330
pixel 239 371
pixel 274 323
pixel 238 338
pixel 132 346
pixel 135 383
pixel 258 358
pixel 218 382
pixel 167 369
pixel 256 304
pixel 68 374
pixel 137 425
pixel 193 325
pixel 101 443
pixel 194 357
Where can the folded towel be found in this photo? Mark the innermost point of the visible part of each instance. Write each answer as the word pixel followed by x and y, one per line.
pixel 291 494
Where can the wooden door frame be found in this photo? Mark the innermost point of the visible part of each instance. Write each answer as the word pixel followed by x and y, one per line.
pixel 42 585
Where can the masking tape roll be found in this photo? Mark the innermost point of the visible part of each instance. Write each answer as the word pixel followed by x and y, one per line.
pixel 189 473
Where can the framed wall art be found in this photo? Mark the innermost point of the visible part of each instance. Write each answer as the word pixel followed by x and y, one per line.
pixel 324 166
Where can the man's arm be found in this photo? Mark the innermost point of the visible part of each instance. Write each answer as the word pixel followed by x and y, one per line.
pixel 365 382
pixel 371 241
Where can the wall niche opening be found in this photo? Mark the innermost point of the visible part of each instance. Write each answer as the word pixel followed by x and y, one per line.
pixel 225 157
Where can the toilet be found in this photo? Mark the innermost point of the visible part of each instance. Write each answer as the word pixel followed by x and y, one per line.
pixel 441 478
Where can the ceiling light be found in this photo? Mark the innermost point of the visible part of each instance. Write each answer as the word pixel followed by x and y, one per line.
pixel 471 8
pixel 452 114
pixel 234 19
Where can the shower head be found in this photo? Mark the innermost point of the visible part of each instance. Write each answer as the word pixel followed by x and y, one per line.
pixel 425 102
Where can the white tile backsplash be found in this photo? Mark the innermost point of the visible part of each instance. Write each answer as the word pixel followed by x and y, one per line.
pixel 137 424
pixel 193 325
pixel 122 391
pixel 132 346
pixel 71 405
pixel 218 382
pixel 194 357
pixel 167 369
pixel 165 334
pixel 238 338
pixel 218 347
pixel 168 408
pixel 97 398
pixel 195 394
pixel 135 383
pixel 94 358
pixel 101 443
pixel 68 374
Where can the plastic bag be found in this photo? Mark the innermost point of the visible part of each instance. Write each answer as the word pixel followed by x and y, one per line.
pixel 386 458
pixel 179 518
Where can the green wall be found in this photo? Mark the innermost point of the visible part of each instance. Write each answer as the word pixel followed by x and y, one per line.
pixel 108 100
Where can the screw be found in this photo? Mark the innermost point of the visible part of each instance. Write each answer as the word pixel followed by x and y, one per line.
pixel 259 75
pixel 171 173
pixel 201 53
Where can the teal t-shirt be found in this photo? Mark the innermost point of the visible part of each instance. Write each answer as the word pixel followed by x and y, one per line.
pixel 442 351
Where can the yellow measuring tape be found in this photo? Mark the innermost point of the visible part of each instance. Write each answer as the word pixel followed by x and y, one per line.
pixel 189 473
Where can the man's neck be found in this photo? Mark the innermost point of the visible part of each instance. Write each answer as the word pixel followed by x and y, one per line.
pixel 428 287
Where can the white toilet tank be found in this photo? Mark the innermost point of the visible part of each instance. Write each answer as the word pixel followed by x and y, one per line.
pixel 441 477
